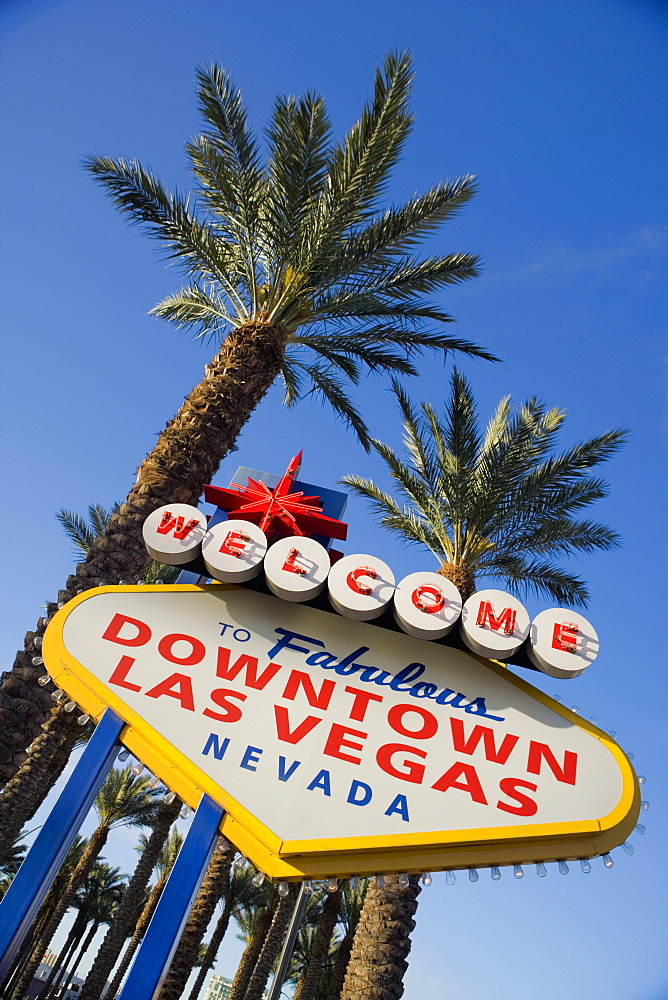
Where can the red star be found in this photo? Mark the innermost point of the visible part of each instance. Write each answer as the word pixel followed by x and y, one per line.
pixel 278 512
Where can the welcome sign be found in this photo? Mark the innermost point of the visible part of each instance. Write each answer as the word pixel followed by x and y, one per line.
pixel 336 747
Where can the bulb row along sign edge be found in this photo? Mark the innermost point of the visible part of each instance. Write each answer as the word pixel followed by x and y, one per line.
pixel 335 747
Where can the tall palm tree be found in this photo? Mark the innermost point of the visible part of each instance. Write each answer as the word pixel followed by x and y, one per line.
pixel 11 861
pixel 254 922
pixel 311 976
pixel 120 927
pixel 163 867
pixel 498 503
pixel 351 908
pixel 125 799
pixel 294 267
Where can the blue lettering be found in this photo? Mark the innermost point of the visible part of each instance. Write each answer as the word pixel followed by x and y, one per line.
pixel 324 660
pixel 283 772
pixel 400 806
pixel 478 707
pixel 286 643
pixel 406 675
pixel 250 757
pixel 359 786
pixel 321 781
pixel 367 675
pixel 214 744
pixel 423 690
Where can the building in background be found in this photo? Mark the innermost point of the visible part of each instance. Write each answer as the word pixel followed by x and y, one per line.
pixel 218 988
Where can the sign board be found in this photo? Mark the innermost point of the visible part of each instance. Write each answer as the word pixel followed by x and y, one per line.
pixel 337 747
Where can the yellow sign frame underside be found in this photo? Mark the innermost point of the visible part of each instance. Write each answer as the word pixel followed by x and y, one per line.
pixel 342 857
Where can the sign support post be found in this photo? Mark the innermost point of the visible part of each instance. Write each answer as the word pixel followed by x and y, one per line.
pixel 164 931
pixel 289 943
pixel 33 879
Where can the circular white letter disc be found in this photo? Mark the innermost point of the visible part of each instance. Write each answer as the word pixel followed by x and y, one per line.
pixel 494 624
pixel 296 568
pixel 233 551
pixel 360 586
pixel 173 534
pixel 562 643
pixel 426 605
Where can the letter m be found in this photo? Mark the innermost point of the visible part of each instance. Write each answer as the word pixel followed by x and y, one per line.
pixel 506 619
pixel 540 751
pixel 178 525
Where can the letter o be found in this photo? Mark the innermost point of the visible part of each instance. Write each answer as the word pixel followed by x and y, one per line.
pixel 241 638
pixel 429 728
pixel 198 649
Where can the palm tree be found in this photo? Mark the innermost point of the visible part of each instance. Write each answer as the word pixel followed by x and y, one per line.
pixel 351 908
pixel 498 504
pixel 125 799
pixel 311 976
pixel 11 861
pixel 296 270
pixel 121 926
pixel 254 921
pixel 163 866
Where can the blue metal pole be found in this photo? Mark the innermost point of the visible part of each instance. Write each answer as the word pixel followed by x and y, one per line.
pixel 164 931
pixel 33 879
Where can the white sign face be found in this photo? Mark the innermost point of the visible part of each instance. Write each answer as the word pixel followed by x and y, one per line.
pixel 494 624
pixel 233 551
pixel 426 605
pixel 562 643
pixel 173 534
pixel 296 568
pixel 360 586
pixel 329 731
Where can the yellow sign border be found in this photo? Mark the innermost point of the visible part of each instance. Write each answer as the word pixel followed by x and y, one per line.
pixel 342 857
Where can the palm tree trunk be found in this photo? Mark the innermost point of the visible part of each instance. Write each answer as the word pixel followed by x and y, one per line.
pixel 25 792
pixel 121 924
pixel 308 981
pixel 82 951
pixel 213 887
pixel 271 946
pixel 382 942
pixel 185 458
pixel 77 931
pixel 211 952
pixel 139 932
pixel 251 954
pixel 461 575
pixel 95 845
pixel 333 989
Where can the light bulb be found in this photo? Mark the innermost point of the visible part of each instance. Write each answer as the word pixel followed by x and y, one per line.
pixel 495 872
pixel 169 797
pixel 37 642
pixel 37 661
pixel 83 719
pixel 628 848
pixel 122 583
pixel 641 779
pixel 138 768
pixel 612 732
pixel 283 889
pixel 585 866
pixel 141 583
pixel 426 878
pixel 45 621
pixel 44 679
pixel 450 878
pixel 641 829
pixel 607 861
pixel 70 706
pixel 593 720
pixel 575 708
pixel 473 875
pixel 380 881
pixel 563 868
pixel 257 879
pixel 153 783
pixel 185 812
pixel 644 805
pixel 354 883
pixel 332 884
pixel 556 697
pixel 58 695
pixel 518 871
pixel 541 870
pixel 159 582
pixel 631 756
pixel 239 862
pixel 308 888
pixel 124 754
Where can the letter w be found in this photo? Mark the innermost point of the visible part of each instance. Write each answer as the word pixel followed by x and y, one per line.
pixel 506 618
pixel 463 745
pixel 228 673
pixel 178 525
pixel 320 700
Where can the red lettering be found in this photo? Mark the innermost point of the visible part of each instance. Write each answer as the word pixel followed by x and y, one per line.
pixel 121 671
pixel 290 564
pixel 413 770
pixel 354 575
pixel 565 636
pixel 177 686
pixel 470 784
pixel 337 739
pixel 234 543
pixel 506 618
pixel 429 607
pixel 538 751
pixel 361 702
pixel 395 717
pixel 249 663
pixel 181 529
pixel 509 787
pixel 113 630
pixel 198 649
pixel 298 679
pixel 283 725
pixel 220 697
pixel 469 745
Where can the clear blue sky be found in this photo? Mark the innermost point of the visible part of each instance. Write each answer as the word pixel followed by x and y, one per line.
pixel 558 107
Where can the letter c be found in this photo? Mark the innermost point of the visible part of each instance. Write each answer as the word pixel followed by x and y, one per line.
pixel 353 577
